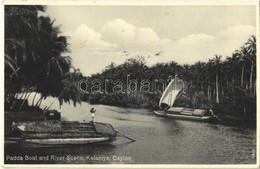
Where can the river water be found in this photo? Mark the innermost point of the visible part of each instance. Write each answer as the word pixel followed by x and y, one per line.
pixel 158 141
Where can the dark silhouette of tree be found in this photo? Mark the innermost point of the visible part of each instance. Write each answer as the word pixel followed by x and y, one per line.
pixel 35 54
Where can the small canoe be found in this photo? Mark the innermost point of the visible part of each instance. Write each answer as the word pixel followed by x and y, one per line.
pixel 63 132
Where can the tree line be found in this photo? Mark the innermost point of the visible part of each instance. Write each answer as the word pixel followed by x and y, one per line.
pixel 226 84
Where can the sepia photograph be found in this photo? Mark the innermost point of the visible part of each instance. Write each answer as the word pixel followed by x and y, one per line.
pixel 130 84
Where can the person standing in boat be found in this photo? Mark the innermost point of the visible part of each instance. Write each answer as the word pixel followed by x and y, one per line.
pixel 92 111
pixel 211 112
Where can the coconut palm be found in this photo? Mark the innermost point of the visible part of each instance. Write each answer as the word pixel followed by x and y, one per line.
pixel 217 63
pixel 251 48
pixel 197 71
pixel 70 88
pixel 243 57
pixel 208 76
pixel 34 53
pixel 186 72
pixel 232 63
pixel 21 30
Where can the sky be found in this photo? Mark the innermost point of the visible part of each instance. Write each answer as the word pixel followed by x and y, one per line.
pixel 100 35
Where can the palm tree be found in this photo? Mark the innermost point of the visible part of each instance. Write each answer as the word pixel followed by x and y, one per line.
pixel 251 48
pixel 17 30
pixel 21 38
pixel 186 72
pixel 217 63
pixel 197 71
pixel 208 76
pixel 52 64
pixel 70 88
pixel 34 53
pixel 231 64
pixel 242 56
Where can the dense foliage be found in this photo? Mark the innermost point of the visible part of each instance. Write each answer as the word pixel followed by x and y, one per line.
pixel 36 57
pixel 228 85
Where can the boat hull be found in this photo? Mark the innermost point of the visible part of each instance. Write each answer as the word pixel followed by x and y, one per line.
pixel 184 117
pixel 56 143
pixel 62 133
pixel 69 141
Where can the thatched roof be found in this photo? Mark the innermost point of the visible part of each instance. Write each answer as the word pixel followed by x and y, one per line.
pixel 54 126
pixel 63 129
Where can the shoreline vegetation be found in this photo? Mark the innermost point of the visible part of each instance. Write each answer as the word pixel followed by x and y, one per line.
pixel 227 86
pixel 37 60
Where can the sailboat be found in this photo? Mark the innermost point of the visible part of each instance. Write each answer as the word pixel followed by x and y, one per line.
pixel 172 92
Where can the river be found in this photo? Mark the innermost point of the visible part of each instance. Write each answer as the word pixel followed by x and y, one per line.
pixel 158 140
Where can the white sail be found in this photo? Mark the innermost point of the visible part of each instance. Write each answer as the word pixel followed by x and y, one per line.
pixel 171 92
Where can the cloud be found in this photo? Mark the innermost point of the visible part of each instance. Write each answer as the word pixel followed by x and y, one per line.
pixel 94 62
pixel 195 38
pixel 233 38
pixel 118 40
pixel 201 47
pixel 237 30
pixel 85 38
pixel 88 51
pixel 115 42
pixel 130 37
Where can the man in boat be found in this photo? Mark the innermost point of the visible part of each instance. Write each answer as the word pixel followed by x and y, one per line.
pixel 92 111
pixel 211 112
pixel 164 107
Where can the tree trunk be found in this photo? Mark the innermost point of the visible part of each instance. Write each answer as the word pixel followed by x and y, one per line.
pixel 242 76
pixel 39 101
pixel 211 91
pixel 208 92
pixel 255 87
pixel 217 94
pixel 17 100
pixel 25 98
pixel 233 83
pixel 251 77
pixel 22 95
pixel 34 98
pixel 245 112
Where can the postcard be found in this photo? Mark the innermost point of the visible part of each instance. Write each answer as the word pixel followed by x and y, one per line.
pixel 132 84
